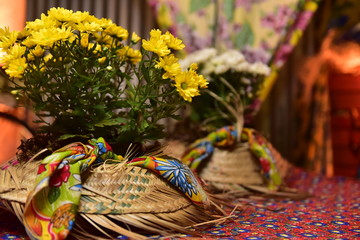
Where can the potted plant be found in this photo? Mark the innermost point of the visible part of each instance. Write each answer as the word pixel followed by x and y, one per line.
pixel 231 157
pixel 86 84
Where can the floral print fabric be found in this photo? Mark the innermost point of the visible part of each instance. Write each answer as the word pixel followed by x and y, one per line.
pixel 263 30
pixel 52 205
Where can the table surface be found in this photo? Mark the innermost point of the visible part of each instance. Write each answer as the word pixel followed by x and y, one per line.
pixel 332 212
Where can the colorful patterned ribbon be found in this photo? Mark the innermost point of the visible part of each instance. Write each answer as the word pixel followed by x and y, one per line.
pixel 177 173
pixel 52 205
pixel 226 137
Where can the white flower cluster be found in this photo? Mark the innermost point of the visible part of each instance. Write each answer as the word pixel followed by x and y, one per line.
pixel 198 57
pixel 213 62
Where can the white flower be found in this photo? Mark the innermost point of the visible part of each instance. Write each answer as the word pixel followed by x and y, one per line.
pixel 209 68
pixel 233 57
pixel 259 68
pixel 242 67
pixel 221 68
pixel 198 57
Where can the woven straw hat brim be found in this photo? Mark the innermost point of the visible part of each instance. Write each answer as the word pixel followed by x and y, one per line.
pixel 114 196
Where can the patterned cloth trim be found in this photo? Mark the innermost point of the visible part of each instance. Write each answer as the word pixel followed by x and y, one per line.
pixel 225 137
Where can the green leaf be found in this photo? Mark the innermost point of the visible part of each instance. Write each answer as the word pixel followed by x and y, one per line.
pixel 67 136
pixel 196 5
pixel 229 8
pixel 110 122
pixel 245 36
pixel 53 195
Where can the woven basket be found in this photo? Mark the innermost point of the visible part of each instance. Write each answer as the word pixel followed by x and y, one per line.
pixel 229 169
pixel 247 167
pixel 116 199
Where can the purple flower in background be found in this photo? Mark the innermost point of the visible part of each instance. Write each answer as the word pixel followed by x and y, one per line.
pixel 265 45
pixel 253 55
pixel 192 39
pixel 224 32
pixel 247 4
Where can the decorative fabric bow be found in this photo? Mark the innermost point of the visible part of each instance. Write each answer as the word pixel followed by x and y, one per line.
pixel 52 205
pixel 226 137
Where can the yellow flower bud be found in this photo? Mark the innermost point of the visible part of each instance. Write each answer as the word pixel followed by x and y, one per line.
pixel 38 51
pixel 84 42
pixel 135 38
pixel 102 60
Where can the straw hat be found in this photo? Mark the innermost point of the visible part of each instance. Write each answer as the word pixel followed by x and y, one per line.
pixel 242 167
pixel 127 197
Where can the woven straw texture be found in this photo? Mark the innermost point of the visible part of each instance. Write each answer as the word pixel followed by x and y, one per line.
pixel 114 195
pixel 228 169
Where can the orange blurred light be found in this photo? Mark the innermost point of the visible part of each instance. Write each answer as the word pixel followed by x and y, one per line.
pixel 12 14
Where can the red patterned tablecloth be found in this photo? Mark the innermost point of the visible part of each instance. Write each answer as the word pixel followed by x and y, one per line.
pixel 333 212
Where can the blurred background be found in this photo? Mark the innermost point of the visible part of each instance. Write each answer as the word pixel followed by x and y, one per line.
pixel 310 109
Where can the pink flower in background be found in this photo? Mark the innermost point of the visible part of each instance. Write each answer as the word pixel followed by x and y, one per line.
pixel 201 13
pixel 278 19
pixel 303 20
pixel 282 54
pixel 247 4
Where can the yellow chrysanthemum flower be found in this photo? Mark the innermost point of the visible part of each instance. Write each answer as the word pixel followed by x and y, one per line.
pixel 173 42
pixel 203 83
pixel 129 54
pixel 187 86
pixel 65 15
pixel 48 57
pixel 7 37
pixel 17 51
pixel 103 22
pixel 47 37
pixel 44 22
pixel 135 38
pixel 104 38
pixel 155 34
pixel 13 53
pixel 117 31
pixel 16 68
pixel 29 42
pixel 23 34
pixel 96 49
pixel 194 66
pixel 84 42
pixel 87 27
pixel 170 64
pixel 157 43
